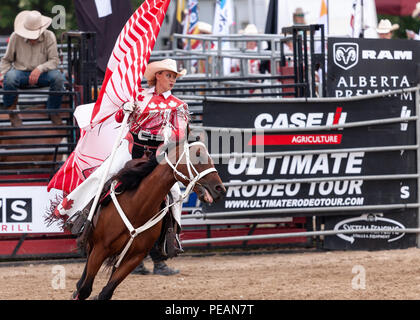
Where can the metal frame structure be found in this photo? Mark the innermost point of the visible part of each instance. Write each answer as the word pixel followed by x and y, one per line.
pixel 269 49
pixel 81 64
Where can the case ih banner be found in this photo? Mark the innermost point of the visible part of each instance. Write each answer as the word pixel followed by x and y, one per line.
pixel 267 114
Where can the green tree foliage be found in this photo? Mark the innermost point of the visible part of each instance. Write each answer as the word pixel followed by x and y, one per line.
pixel 10 8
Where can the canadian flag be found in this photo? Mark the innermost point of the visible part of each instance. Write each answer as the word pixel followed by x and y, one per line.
pixel 122 83
pixel 355 20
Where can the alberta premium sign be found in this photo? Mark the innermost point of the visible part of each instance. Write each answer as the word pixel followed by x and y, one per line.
pixel 364 66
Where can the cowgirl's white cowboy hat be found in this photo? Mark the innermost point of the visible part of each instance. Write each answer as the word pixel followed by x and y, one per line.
pixel 416 11
pixel 385 26
pixel 163 65
pixel 31 24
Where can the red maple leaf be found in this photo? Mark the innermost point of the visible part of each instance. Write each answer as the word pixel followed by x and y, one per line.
pixel 67 204
pixel 57 213
pixel 140 97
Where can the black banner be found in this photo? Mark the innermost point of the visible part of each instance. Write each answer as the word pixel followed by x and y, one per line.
pixel 106 18
pixel 312 193
pixel 275 115
pixel 366 66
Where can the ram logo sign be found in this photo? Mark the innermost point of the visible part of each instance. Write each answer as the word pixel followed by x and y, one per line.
pixel 346 54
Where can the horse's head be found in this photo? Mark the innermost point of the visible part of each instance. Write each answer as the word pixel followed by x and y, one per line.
pixel 193 167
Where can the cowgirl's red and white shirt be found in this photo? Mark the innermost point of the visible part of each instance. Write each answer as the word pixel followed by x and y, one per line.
pixel 161 115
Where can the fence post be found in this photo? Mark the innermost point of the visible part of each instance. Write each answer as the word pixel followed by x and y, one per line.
pixel 418 159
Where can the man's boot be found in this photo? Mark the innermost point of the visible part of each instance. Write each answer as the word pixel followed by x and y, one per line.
pixel 162 269
pixel 141 269
pixel 15 120
pixel 56 119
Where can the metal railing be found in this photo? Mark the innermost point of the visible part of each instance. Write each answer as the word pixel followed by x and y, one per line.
pixel 37 147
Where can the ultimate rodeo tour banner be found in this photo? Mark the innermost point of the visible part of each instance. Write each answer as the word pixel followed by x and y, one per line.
pixel 311 155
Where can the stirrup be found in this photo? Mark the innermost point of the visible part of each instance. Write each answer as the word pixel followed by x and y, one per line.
pixel 76 222
pixel 171 245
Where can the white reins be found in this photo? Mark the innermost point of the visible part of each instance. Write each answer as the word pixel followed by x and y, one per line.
pixel 193 179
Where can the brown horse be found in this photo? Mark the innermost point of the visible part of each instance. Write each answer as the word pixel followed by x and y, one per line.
pixel 145 188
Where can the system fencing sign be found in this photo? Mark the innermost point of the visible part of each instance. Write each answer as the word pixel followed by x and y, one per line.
pixel 387 233
pixel 308 179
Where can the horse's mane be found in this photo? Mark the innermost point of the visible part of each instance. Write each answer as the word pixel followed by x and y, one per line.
pixel 134 172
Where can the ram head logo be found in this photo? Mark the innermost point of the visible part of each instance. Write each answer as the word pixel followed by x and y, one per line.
pixel 346 54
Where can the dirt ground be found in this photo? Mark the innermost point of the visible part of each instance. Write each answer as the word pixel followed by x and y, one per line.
pixel 356 275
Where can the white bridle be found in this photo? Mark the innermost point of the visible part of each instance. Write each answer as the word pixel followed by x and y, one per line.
pixel 193 179
pixel 193 173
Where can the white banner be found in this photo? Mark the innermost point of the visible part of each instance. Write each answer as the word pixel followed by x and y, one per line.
pixel 104 8
pixel 22 210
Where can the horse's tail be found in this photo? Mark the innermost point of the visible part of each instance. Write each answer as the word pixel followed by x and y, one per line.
pixel 111 261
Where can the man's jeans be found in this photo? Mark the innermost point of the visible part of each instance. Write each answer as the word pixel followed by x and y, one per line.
pixel 15 79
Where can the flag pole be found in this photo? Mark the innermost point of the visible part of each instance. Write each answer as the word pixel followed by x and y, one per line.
pixel 362 27
pixel 88 223
pixel 328 17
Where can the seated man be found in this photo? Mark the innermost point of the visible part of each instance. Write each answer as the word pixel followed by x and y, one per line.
pixel 386 29
pixel 31 59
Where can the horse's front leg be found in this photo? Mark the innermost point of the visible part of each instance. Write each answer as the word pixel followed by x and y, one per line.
pixel 79 283
pixel 128 264
pixel 94 263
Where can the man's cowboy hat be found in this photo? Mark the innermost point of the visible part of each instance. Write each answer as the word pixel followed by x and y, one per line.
pixel 204 27
pixel 31 24
pixel 250 29
pixel 416 11
pixel 163 65
pixel 385 26
pixel 299 12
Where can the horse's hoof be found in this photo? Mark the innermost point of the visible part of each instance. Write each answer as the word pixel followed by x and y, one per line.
pixel 75 296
